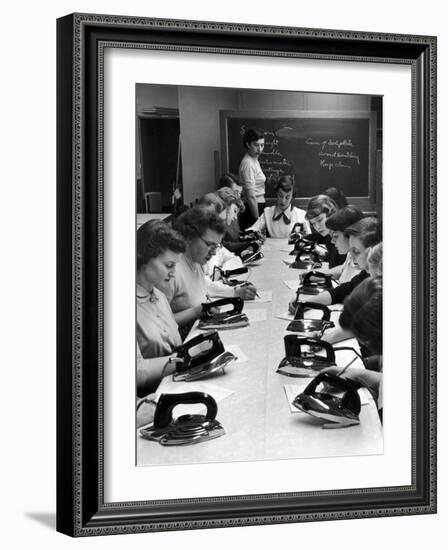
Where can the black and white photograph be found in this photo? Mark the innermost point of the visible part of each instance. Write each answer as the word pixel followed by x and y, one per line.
pixel 259 290
pixel 246 277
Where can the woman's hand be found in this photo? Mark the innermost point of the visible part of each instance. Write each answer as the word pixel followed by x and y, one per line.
pixel 366 378
pixel 170 365
pixel 246 292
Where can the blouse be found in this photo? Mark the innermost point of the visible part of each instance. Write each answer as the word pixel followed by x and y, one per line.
pixel 188 287
pixel 279 224
pixel 157 330
pixel 252 177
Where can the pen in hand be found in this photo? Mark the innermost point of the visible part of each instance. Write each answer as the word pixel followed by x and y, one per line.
pixel 246 283
pixel 347 366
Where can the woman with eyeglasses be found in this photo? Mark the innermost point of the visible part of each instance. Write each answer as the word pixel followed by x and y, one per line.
pixel 202 230
pixel 225 203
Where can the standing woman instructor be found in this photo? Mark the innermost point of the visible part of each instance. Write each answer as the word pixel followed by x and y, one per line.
pixel 252 178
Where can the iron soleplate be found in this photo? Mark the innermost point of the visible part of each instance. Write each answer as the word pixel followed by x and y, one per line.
pixel 201 371
pixel 302 367
pixel 327 407
pixel 224 322
pixel 309 326
pixel 188 429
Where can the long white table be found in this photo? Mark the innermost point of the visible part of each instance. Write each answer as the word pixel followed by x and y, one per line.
pixel 256 416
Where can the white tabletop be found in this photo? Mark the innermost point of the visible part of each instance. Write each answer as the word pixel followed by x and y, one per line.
pixel 256 416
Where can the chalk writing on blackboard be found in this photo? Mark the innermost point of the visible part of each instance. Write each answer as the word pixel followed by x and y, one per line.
pixel 332 154
pixel 319 150
pixel 331 151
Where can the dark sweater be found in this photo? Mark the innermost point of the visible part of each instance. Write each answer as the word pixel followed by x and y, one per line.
pixel 340 293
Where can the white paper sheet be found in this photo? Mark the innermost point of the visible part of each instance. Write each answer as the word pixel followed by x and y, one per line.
pixel 286 316
pixel 236 350
pixel 263 297
pixel 256 315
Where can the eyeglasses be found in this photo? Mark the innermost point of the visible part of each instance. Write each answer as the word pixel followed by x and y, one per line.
pixel 213 247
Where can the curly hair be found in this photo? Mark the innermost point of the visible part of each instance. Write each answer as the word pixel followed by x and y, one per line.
pixel 229 196
pixel 363 313
pixel 212 200
pixel 375 257
pixel 154 238
pixel 343 218
pixel 368 230
pixel 320 204
pixel 195 221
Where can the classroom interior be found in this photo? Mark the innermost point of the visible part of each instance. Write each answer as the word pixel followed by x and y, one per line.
pixel 183 141
pixel 187 138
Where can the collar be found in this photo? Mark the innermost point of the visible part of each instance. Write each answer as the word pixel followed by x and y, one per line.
pixel 144 296
pixel 278 214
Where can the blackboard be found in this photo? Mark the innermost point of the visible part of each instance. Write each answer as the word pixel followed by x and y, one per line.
pixel 320 149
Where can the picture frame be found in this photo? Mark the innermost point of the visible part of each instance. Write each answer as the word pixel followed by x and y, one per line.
pixel 81 507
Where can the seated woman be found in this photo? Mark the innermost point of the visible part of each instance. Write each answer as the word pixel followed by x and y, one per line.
pixel 319 209
pixel 363 316
pixel 227 210
pixel 278 220
pixel 338 223
pixel 232 234
pixel 227 203
pixel 158 252
pixel 202 230
pixel 374 268
pixel 362 235
pixel 232 199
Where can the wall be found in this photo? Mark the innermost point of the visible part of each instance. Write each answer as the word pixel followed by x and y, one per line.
pixel 27 353
pixel 199 127
pixel 300 101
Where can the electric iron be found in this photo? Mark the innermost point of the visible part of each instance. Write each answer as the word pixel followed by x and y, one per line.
pixel 304 363
pixel 310 326
pixel 251 252
pixel 337 403
pixel 313 283
pixel 224 275
pixel 201 356
pixel 296 233
pixel 306 260
pixel 225 318
pixel 250 235
pixel 188 428
pixel 302 245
